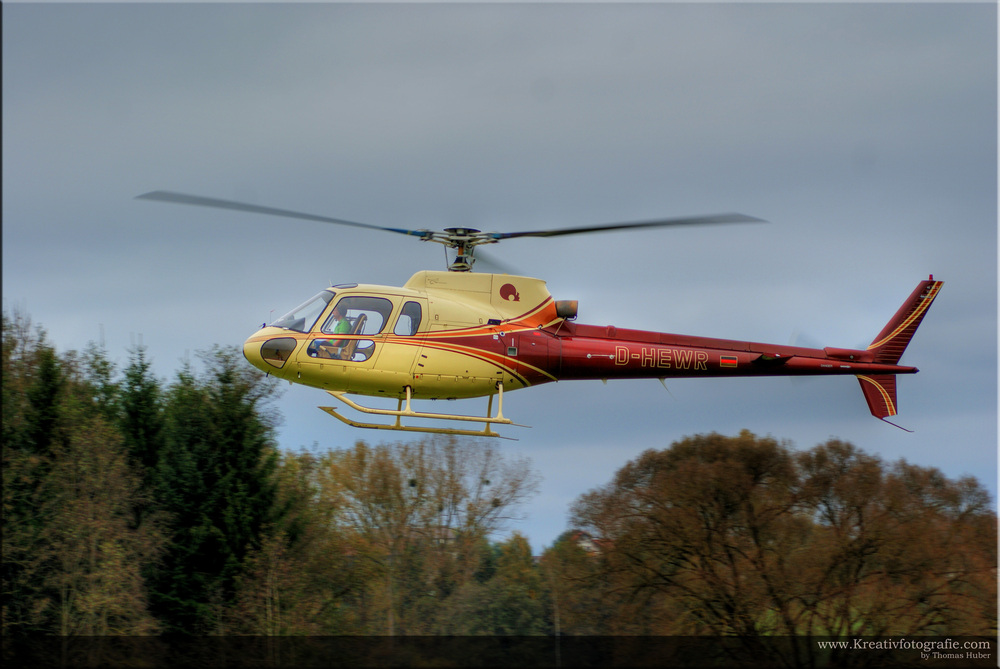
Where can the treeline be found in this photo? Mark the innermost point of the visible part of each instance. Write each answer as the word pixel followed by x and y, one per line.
pixel 134 506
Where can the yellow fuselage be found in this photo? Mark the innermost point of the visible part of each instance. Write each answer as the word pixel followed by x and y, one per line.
pixel 443 334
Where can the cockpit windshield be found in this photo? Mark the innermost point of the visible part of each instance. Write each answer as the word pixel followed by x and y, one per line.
pixel 303 317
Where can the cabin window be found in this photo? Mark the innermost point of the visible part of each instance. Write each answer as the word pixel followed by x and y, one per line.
pixel 276 352
pixel 355 350
pixel 303 317
pixel 363 316
pixel 408 321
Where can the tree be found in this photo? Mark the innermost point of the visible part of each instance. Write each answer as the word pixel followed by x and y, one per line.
pixel 415 516
pixel 582 599
pixel 513 601
pixel 275 594
pixel 215 477
pixel 30 378
pixel 99 376
pixel 71 561
pixel 98 555
pixel 42 411
pixel 740 536
pixel 302 579
pixel 904 550
pixel 141 413
pixel 691 520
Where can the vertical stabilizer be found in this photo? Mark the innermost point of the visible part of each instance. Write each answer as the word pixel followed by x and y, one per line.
pixel 888 347
pixel 880 391
pixel 894 337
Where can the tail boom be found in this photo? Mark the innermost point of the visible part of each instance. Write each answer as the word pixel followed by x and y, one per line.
pixel 604 352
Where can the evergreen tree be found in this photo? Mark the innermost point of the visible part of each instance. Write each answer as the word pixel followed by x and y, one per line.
pixel 141 417
pixel 216 479
pixel 99 377
pixel 42 410
pixel 178 586
pixel 247 457
pixel 511 602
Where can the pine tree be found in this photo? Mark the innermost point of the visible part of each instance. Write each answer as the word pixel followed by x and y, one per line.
pixel 42 410
pixel 141 417
pixel 99 377
pixel 215 477
pixel 179 584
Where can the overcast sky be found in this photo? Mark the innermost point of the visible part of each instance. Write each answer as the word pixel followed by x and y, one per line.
pixel 865 133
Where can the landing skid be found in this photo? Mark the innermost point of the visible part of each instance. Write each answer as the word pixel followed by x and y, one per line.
pixel 400 412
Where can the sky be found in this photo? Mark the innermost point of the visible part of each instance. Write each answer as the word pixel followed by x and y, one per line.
pixel 865 134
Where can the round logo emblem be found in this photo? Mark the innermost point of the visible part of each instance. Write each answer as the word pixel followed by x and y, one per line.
pixel 509 293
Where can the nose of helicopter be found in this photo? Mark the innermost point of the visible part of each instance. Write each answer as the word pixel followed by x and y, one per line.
pixel 252 351
pixel 268 350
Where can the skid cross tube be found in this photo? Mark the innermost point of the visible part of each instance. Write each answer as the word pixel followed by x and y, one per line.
pixel 408 411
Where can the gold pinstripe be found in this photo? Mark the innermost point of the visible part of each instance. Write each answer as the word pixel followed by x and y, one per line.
pixel 432 340
pixel 480 354
pixel 917 313
pixel 890 405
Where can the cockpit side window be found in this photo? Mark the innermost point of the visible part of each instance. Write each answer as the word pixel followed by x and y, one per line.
pixel 408 321
pixel 363 316
pixel 303 317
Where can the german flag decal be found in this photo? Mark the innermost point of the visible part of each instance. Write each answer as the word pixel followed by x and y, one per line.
pixel 728 361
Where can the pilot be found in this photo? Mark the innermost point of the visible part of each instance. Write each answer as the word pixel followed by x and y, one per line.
pixel 332 348
pixel 341 324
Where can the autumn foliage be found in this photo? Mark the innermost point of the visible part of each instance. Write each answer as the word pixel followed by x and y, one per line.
pixel 743 536
pixel 136 506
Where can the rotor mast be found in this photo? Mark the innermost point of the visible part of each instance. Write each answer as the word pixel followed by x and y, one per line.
pixel 464 242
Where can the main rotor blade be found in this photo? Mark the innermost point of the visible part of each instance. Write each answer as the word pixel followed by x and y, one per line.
pixel 690 220
pixel 198 200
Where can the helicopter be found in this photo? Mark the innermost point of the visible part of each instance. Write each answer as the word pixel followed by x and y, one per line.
pixel 457 334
